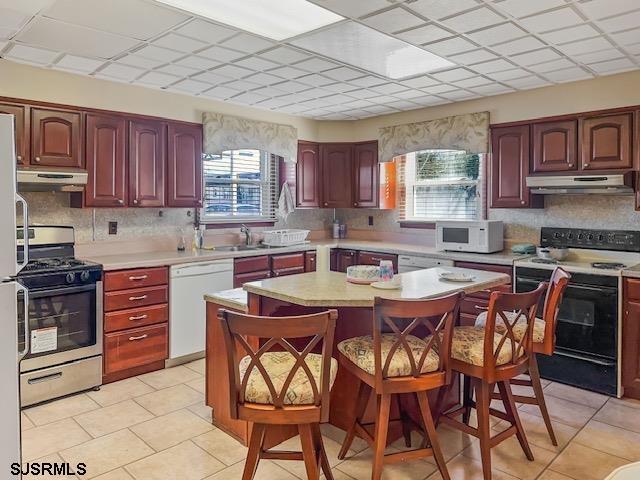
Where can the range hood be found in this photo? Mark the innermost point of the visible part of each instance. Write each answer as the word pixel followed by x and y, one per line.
pixel 47 180
pixel 615 184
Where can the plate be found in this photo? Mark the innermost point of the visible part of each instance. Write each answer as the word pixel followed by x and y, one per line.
pixel 387 285
pixel 457 277
pixel 362 281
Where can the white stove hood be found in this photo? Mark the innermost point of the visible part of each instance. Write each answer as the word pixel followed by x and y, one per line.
pixel 55 179
pixel 615 184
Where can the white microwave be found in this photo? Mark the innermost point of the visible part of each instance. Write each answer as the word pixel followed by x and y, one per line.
pixel 480 236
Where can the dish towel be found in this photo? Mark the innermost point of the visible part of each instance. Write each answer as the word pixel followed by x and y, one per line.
pixel 286 205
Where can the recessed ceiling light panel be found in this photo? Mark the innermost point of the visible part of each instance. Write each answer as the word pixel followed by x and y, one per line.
pixel 277 20
pixel 371 50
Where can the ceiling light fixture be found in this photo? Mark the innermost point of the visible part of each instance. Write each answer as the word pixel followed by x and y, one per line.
pixel 276 20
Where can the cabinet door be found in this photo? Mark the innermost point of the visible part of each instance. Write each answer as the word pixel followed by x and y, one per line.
pixel 22 130
pixel 310 261
pixel 147 160
pixel 606 142
pixel 308 176
pixel 55 138
pixel 336 175
pixel 509 167
pixel 365 175
pixel 184 173
pixel 555 146
pixel 345 258
pixel 631 350
pixel 106 161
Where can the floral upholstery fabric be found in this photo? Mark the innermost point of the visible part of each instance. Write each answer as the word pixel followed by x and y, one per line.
pixel 468 346
pixel 278 365
pixel 359 350
pixel 519 329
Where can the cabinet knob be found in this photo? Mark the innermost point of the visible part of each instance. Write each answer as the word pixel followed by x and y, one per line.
pixel 135 201
pixel 120 201
pixel 355 204
pixel 522 202
pixel 326 204
pixel 586 165
pixel 37 159
pixel 19 157
pixel 571 164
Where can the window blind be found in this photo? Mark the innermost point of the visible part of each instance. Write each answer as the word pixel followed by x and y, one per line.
pixel 240 185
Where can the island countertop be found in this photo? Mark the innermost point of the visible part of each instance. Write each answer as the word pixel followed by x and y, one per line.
pixel 330 289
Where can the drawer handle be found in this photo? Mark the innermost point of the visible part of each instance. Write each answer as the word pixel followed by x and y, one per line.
pixel 139 277
pixel 480 307
pixel 141 337
pixel 46 378
pixel 141 297
pixel 138 317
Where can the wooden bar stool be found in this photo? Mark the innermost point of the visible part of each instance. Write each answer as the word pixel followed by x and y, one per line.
pixel 489 357
pixel 282 387
pixel 398 363
pixel 544 342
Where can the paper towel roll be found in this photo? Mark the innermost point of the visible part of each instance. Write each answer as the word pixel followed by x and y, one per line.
pixel 323 258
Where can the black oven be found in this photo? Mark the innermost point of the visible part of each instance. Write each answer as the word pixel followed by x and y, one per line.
pixel 586 353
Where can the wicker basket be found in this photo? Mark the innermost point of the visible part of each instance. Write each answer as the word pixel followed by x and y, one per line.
pixel 284 238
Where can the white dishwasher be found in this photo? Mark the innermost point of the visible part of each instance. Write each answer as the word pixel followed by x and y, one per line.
pixel 187 320
pixel 409 263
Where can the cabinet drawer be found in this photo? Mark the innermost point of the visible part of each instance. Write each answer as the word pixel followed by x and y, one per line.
pixel 474 306
pixel 241 279
pixel 135 317
pixel 373 258
pixel 251 264
pixel 289 260
pixel 288 271
pixel 140 277
pixel 631 289
pixel 137 297
pixel 135 347
pixel 486 267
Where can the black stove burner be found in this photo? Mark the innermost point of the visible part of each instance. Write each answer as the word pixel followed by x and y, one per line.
pixel 53 264
pixel 546 261
pixel 608 265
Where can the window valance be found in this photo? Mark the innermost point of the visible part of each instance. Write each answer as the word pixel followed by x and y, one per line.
pixel 469 132
pixel 227 132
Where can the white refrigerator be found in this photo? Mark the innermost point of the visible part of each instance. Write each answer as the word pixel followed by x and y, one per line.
pixel 13 296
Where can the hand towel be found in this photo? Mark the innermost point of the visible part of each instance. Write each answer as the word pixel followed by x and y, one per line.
pixel 286 204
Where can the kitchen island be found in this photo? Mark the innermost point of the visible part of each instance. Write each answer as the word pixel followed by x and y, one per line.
pixel 314 292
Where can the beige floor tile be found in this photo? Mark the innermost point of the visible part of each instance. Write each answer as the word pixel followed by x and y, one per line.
pixel 551 475
pixel 614 440
pixel 537 434
pixel 112 418
pixel 619 415
pixel 197 366
pixel 170 399
pixel 55 458
pixel 225 448
pixel 297 468
pixel 338 435
pixel 107 453
pixel 465 468
pixel 198 384
pixel 338 475
pixel 59 409
pixel 584 463
pixel 120 391
pixel 169 377
pixel 576 395
pixel 117 474
pixel 171 429
pixel 267 470
pixel 452 441
pixel 185 461
pixel 563 411
pixel 25 423
pixel 625 402
pixel 508 457
pixel 359 466
pixel 202 410
pixel 41 441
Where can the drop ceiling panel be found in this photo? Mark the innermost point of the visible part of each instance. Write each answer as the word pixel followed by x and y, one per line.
pixel 203 30
pixel 520 8
pixel 33 55
pixel 179 42
pixel 598 9
pixel 570 34
pixel 74 63
pixel 543 22
pixel 473 20
pixel 439 9
pixel 497 34
pixel 393 20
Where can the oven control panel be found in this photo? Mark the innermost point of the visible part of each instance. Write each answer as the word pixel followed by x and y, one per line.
pixel 619 240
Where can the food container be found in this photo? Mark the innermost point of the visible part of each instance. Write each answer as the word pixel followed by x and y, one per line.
pixel 552 253
pixel 363 274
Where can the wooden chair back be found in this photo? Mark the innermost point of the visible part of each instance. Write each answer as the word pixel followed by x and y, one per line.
pixel 557 285
pixel 510 308
pixel 273 334
pixel 401 318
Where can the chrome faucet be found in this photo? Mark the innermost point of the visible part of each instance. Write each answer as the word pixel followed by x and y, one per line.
pixel 247 234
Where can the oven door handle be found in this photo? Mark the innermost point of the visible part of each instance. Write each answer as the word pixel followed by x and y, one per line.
pixel 584 358
pixel 27 331
pixel 62 291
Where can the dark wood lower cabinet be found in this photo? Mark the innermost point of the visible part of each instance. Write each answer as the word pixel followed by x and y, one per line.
pixel 374 258
pixel 310 263
pixel 631 339
pixel 344 259
pixel 135 347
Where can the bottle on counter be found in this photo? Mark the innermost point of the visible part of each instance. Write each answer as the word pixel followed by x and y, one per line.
pixel 342 230
pixel 336 229
pixel 195 244
pixel 181 242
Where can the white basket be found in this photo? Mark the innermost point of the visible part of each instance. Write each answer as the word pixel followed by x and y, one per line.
pixel 284 238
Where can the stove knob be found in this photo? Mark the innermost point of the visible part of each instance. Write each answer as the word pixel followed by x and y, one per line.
pixel 590 236
pixel 570 236
pixel 580 235
pixel 71 277
pixel 84 275
pixel 600 238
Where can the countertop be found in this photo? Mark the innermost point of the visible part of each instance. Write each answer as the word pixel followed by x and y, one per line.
pixel 330 289
pixel 632 272
pixel 167 258
pixel 235 299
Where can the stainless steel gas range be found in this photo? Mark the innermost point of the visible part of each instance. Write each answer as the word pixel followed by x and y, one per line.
pixel 588 343
pixel 64 327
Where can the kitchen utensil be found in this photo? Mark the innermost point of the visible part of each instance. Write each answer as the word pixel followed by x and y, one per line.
pixel 552 253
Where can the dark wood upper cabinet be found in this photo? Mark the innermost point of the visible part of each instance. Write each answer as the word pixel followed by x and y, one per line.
pixel 509 167
pixel 55 138
pixel 606 142
pixel 184 160
pixel 365 175
pixel 336 175
pixel 106 154
pixel 555 146
pixel 308 176
pixel 21 130
pixel 147 161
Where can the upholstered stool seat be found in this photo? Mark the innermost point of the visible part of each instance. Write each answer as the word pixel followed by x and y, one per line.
pixel 278 365
pixel 360 351
pixel 519 328
pixel 468 346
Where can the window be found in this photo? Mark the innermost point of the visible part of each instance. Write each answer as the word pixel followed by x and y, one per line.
pixel 442 185
pixel 240 185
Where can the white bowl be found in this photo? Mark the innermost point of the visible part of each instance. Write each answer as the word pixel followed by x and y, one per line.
pixel 364 274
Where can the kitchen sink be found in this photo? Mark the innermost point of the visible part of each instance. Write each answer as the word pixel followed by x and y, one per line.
pixel 240 248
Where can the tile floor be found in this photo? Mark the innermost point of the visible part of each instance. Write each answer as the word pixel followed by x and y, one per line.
pixel 156 426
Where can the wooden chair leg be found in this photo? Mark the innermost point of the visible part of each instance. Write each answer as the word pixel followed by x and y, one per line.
pixel 427 420
pixel 442 394
pixel 512 413
pixel 534 373
pixel 361 406
pixel 255 449
pixel 309 451
pixel 466 399
pixel 324 461
pixel 483 400
pixel 404 419
pixel 380 439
